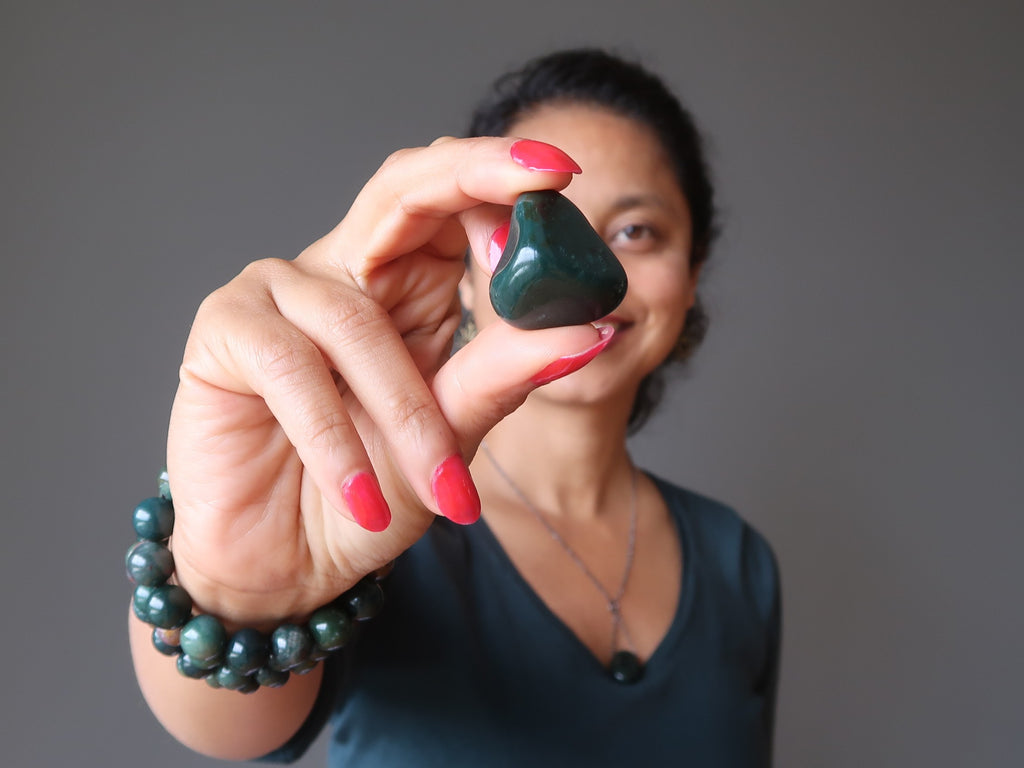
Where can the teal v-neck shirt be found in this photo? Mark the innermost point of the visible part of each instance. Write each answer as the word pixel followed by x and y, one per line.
pixel 467 666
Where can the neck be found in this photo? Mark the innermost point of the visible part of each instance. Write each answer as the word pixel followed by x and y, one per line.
pixel 569 461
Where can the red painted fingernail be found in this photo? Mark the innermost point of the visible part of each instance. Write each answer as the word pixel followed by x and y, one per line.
pixel 497 246
pixel 538 156
pixel 455 492
pixel 366 502
pixel 563 366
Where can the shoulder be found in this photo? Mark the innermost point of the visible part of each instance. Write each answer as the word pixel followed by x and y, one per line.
pixel 726 546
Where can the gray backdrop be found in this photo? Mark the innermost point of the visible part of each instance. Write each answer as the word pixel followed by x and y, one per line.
pixel 858 397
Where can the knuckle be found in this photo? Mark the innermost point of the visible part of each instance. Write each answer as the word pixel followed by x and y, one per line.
pixel 411 416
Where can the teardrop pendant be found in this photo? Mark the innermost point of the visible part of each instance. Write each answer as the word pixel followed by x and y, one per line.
pixel 625 668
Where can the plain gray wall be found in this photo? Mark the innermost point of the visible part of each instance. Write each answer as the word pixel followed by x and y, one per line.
pixel 859 396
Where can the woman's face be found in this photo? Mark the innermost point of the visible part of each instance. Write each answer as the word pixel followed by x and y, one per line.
pixel 630 195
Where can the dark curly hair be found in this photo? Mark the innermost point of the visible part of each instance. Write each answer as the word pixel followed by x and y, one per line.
pixel 593 76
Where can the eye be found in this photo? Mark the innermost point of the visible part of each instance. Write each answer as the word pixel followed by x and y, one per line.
pixel 635 236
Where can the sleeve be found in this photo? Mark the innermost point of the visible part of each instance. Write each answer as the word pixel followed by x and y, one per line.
pixel 326 699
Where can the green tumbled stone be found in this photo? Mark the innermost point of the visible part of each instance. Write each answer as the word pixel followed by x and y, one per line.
pixel 149 563
pixel 290 645
pixel 154 519
pixel 248 650
pixel 204 640
pixel 271 678
pixel 331 627
pixel 169 606
pixel 555 269
pixel 364 600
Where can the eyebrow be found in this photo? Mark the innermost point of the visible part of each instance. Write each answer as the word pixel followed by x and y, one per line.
pixel 639 201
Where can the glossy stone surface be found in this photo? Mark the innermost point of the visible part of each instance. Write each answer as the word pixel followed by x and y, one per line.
pixel 204 640
pixel 153 519
pixel 626 668
pixel 364 600
pixel 555 269
pixel 331 627
pixel 290 646
pixel 140 601
pixel 248 650
pixel 167 641
pixel 163 485
pixel 169 606
pixel 149 563
pixel 189 668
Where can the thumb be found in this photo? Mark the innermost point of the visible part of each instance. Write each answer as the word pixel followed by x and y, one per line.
pixel 492 375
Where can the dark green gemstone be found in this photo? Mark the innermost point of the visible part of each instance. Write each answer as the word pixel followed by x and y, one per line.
pixel 555 269
pixel 331 627
pixel 364 600
pixel 149 563
pixel 153 519
pixel 248 686
pixel 271 678
pixel 248 650
pixel 140 601
pixel 230 679
pixel 189 668
pixel 169 606
pixel 625 668
pixel 163 484
pixel 212 681
pixel 166 641
pixel 290 645
pixel 204 640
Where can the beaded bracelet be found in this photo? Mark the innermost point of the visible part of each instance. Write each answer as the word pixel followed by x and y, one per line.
pixel 247 659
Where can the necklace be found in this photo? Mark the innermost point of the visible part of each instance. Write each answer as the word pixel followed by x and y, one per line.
pixel 625 666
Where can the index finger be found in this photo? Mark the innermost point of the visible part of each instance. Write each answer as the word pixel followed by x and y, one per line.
pixel 417 191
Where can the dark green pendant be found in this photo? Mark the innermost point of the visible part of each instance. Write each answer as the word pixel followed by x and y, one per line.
pixel 555 269
pixel 626 668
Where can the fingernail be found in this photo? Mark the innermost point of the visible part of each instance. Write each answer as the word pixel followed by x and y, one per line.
pixel 563 366
pixel 455 492
pixel 366 502
pixel 497 246
pixel 538 156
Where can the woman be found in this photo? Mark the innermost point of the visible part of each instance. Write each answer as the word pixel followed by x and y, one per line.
pixel 595 615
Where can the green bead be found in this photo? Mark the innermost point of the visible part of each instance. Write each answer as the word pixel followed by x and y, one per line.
pixel 212 681
pixel 140 601
pixel 364 600
pixel 204 640
pixel 169 606
pixel 248 686
pixel 149 563
pixel 163 485
pixel 555 269
pixel 271 678
pixel 248 650
pixel 290 645
pixel 153 519
pixel 167 641
pixel 230 679
pixel 331 627
pixel 189 668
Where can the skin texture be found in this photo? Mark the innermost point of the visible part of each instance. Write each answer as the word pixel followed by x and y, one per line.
pixel 300 375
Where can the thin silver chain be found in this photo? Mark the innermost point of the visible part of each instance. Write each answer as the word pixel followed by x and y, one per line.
pixel 612 603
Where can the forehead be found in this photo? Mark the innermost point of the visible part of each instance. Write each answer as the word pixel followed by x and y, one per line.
pixel 619 155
